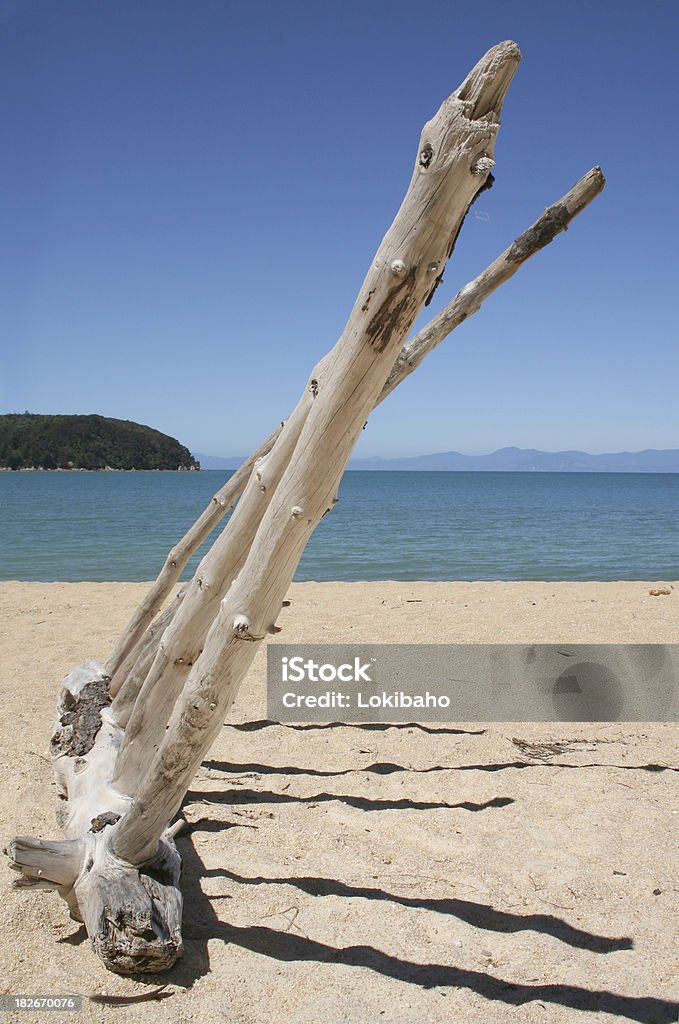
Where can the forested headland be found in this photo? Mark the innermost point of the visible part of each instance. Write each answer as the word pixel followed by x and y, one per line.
pixel 33 441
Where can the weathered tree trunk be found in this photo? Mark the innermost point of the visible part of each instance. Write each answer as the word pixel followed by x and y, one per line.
pixel 185 638
pixel 119 787
pixel 132 914
pixel 455 158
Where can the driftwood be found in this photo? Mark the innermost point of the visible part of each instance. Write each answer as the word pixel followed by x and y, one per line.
pixel 177 558
pixel 298 480
pixel 468 301
pixel 130 735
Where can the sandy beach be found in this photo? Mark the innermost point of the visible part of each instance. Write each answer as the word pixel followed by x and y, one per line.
pixel 396 874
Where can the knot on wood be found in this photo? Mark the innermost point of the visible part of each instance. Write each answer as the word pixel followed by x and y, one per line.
pixel 242 629
pixel 313 387
pixel 484 165
pixel 296 511
pixel 102 820
pixel 426 156
pixel 398 267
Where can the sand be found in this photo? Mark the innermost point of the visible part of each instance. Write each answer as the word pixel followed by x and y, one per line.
pixel 475 880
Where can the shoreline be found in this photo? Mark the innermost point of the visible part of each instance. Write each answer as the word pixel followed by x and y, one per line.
pixel 103 469
pixel 359 469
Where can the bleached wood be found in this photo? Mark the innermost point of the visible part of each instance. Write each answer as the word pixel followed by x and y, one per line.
pixel 132 915
pixel 183 640
pixel 186 638
pixel 471 90
pixel 129 679
pixel 454 159
pixel 178 557
pixel 468 300
pixel 84 746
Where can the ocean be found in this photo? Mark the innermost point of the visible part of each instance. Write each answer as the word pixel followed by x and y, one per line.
pixel 387 526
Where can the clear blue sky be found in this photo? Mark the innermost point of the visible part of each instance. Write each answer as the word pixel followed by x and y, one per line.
pixel 192 192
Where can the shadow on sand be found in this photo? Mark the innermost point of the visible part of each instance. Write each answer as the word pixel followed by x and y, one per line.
pixel 362 803
pixel 389 768
pixel 202 924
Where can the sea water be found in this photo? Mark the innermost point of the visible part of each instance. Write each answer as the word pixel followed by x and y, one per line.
pixel 387 525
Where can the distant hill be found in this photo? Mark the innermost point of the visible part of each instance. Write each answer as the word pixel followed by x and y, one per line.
pixel 530 460
pixel 216 462
pixel 33 441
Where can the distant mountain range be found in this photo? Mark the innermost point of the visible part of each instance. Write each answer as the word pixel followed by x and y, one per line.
pixel 217 462
pixel 509 460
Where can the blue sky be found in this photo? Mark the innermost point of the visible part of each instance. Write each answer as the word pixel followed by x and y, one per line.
pixel 192 192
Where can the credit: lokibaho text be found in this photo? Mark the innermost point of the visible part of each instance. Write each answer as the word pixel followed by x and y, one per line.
pixel 338 699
